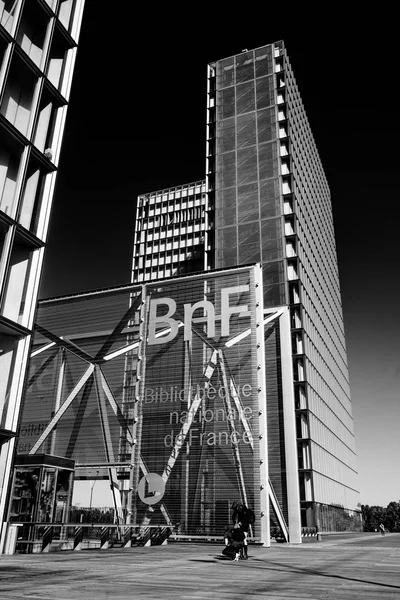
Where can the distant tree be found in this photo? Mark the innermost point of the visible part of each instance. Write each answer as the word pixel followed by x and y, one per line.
pixel 373 516
pixel 392 521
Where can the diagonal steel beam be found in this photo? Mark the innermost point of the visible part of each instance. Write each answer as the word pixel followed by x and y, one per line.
pixel 64 343
pixel 63 409
pixel 118 328
pixel 194 407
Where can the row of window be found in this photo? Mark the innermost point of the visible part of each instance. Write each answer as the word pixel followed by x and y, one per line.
pixel 183 216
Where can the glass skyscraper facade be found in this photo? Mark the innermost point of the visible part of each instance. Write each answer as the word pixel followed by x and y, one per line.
pixel 271 203
pixel 267 200
pixel 38 44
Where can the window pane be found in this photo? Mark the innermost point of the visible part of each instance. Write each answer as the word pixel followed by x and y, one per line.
pixel 226 207
pixel 246 130
pixel 32 31
pixel 244 67
pixel 248 206
pixel 57 58
pixel 226 173
pixel 18 95
pixel 226 135
pixel 271 238
pixel 269 198
pixel 247 165
pixel 265 92
pixel 268 160
pixel 65 13
pixel 225 73
pixel 9 346
pixel 17 279
pixel 245 101
pixel 263 60
pixel 10 160
pixel 226 103
pixel 29 210
pixel 8 9
pixel 266 125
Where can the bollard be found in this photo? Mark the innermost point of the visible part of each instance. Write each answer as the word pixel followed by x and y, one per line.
pixel 319 536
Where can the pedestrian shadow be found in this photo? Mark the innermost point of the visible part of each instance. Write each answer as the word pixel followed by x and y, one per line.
pixel 321 573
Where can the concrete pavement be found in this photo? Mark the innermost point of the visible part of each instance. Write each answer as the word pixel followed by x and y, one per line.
pixel 354 567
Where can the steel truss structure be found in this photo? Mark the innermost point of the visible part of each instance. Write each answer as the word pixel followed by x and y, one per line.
pixel 94 378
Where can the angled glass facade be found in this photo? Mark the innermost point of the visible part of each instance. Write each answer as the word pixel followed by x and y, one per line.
pixel 38 44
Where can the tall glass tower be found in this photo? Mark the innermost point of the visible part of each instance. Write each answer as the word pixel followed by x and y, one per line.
pixel 270 202
pixel 38 45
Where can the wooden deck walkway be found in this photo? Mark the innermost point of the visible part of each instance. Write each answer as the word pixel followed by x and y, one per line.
pixel 363 567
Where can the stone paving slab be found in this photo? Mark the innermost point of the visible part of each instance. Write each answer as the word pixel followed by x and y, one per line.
pixel 364 567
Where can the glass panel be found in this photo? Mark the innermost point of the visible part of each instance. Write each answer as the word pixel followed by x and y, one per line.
pixel 226 207
pixel 270 198
pixel 226 103
pixel 16 105
pixel 46 120
pixel 266 125
pixel 268 160
pixel 246 130
pixel 65 13
pixel 57 58
pixel 227 246
pixel 247 165
pixel 263 60
pixel 274 294
pixel 46 502
pixel 25 495
pixel 244 67
pixel 249 243
pixel 273 272
pixel 225 73
pixel 8 10
pixel 8 344
pixel 17 279
pixel 226 135
pixel 10 160
pixel 3 48
pixel 248 234
pixel 249 253
pixel 226 172
pixel 265 92
pixel 245 101
pixel 32 31
pixel 271 238
pixel 62 496
pixel 29 210
pixel 274 287
pixel 248 207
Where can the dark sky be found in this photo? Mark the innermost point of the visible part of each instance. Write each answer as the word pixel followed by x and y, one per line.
pixel 136 123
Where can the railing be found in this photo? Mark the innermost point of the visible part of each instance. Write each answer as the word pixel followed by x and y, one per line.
pixel 45 537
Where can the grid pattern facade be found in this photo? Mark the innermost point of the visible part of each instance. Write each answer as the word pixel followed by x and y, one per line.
pixel 38 43
pixel 319 344
pixel 136 394
pixel 169 232
pixel 271 203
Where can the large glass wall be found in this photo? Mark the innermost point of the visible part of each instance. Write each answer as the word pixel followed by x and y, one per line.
pixel 160 383
pixel 247 191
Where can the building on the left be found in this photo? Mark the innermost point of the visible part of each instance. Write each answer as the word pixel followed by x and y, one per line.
pixel 38 45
